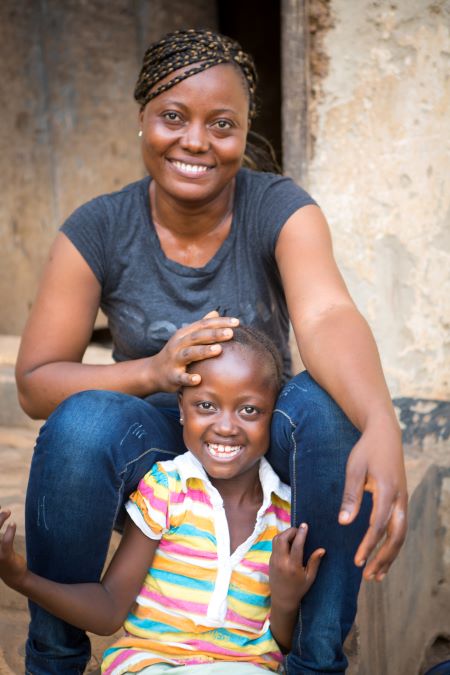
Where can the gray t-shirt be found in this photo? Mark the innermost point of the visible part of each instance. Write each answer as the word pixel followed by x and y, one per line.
pixel 147 297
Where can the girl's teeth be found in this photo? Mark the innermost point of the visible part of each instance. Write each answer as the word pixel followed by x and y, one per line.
pixel 219 450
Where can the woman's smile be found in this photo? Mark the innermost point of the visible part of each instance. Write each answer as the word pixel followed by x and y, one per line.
pixel 194 136
pixel 189 169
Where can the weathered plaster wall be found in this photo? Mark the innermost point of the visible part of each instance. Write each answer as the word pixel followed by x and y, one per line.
pixel 380 168
pixel 69 122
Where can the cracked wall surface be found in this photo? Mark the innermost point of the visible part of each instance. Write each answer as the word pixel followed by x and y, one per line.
pixel 380 169
pixel 68 129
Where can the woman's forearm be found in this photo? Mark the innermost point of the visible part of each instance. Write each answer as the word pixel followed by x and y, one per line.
pixel 339 351
pixel 44 387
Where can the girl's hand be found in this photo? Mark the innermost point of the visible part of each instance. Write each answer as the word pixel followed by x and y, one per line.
pixel 376 465
pixel 13 566
pixel 191 343
pixel 289 580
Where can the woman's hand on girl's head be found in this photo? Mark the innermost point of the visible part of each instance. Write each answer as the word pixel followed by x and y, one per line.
pixel 13 566
pixel 195 342
pixel 376 465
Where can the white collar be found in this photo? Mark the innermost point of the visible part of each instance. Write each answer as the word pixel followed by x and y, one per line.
pixel 188 466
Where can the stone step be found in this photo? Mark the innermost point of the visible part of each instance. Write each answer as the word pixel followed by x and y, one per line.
pixel 11 413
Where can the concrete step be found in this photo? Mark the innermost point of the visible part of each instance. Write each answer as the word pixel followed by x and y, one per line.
pixel 11 413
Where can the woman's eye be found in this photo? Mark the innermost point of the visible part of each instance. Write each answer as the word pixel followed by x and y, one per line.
pixel 223 124
pixel 171 116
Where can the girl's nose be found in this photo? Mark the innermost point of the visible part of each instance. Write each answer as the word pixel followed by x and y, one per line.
pixel 195 138
pixel 225 425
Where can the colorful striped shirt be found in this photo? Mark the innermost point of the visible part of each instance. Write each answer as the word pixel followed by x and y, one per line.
pixel 199 603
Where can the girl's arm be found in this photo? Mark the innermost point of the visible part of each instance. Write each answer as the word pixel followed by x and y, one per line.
pixel 97 607
pixel 59 329
pixel 289 581
pixel 338 349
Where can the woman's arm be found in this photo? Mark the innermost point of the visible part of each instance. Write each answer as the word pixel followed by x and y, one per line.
pixel 338 349
pixel 59 328
pixel 97 607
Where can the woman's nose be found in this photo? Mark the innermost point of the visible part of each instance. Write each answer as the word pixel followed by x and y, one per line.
pixel 195 138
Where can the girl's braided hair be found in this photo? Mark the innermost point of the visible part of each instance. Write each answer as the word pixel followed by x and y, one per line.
pixel 259 342
pixel 195 51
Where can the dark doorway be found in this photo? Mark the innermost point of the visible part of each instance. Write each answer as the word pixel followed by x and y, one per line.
pixel 256 24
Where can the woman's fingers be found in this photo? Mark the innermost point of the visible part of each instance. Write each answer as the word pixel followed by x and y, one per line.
pixel 384 500
pixel 396 528
pixel 355 478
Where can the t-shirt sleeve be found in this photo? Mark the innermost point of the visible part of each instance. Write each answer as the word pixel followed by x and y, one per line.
pixel 87 229
pixel 148 506
pixel 278 201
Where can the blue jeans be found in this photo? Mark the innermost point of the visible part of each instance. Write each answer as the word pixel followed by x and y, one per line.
pixel 90 455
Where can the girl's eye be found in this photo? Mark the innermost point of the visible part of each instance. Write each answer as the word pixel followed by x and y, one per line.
pixel 205 405
pixel 250 410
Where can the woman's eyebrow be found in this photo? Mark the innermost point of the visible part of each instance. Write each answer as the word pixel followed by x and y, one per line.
pixel 182 105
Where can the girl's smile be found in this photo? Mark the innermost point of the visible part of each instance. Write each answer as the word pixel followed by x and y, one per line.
pixel 227 416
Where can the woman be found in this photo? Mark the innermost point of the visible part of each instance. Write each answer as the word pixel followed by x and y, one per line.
pixel 203 233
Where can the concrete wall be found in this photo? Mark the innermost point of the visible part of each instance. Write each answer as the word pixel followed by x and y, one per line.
pixel 380 168
pixel 69 122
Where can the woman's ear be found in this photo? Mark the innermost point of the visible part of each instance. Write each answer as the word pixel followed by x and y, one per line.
pixel 141 120
pixel 180 406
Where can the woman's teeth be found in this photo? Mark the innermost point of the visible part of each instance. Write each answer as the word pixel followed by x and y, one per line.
pixel 190 168
pixel 219 450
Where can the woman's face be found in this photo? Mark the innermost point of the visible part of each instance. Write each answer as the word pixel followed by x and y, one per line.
pixel 194 134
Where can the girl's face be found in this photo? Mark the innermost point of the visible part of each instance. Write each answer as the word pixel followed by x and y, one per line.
pixel 194 134
pixel 227 416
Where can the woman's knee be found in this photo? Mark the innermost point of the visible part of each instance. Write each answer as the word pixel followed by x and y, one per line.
pixel 84 427
pixel 303 401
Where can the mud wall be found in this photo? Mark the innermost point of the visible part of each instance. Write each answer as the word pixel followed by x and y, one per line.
pixel 68 129
pixel 379 166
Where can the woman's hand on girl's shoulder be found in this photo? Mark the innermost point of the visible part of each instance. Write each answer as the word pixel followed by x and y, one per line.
pixel 197 341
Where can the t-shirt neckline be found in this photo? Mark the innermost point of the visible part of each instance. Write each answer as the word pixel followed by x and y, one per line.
pixel 183 270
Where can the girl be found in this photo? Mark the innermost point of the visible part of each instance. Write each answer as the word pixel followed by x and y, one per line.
pixel 202 529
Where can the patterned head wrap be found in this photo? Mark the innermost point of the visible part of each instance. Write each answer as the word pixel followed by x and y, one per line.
pixel 183 48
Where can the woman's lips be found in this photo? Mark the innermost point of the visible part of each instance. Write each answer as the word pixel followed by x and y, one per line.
pixel 188 169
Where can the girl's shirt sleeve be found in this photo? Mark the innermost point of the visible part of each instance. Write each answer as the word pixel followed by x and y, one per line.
pixel 148 506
